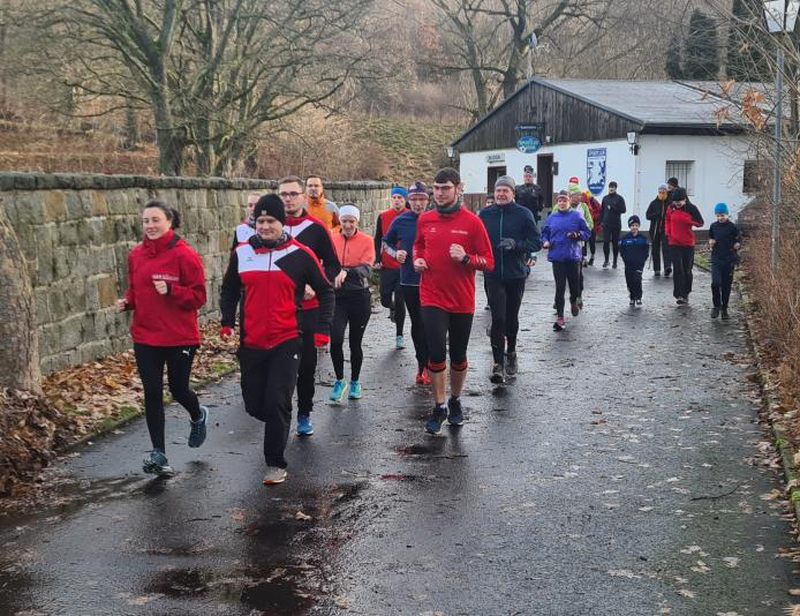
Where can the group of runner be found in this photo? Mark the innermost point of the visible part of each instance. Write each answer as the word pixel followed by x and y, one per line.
pixel 299 278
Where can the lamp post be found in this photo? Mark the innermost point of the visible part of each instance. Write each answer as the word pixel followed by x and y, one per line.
pixel 781 16
pixel 451 153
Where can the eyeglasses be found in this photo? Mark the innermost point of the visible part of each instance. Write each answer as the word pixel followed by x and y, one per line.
pixel 289 195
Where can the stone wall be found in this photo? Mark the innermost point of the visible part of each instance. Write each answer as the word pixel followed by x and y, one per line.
pixel 77 230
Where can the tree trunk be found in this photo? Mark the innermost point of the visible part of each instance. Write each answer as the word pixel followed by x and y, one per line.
pixel 171 140
pixel 133 136
pixel 19 342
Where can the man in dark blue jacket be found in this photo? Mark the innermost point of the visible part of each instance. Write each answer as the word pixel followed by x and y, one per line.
pixel 515 240
pixel 634 251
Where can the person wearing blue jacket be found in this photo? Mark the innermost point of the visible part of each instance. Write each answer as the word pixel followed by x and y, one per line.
pixel 634 251
pixel 402 232
pixel 515 240
pixel 562 235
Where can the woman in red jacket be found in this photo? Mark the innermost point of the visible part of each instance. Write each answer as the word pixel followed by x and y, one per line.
pixel 681 216
pixel 166 287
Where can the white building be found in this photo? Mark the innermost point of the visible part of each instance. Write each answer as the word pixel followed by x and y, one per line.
pixel 637 133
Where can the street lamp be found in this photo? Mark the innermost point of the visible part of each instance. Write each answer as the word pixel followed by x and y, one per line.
pixel 781 16
pixel 451 152
pixel 633 141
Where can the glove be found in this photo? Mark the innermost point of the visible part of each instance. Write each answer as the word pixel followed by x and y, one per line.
pixel 507 243
pixel 225 332
pixel 321 340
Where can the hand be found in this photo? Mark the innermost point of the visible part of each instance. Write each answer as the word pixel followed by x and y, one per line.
pixel 737 246
pixel 402 255
pixel 225 333
pixel 457 252
pixel 507 243
pixel 574 235
pixel 546 245
pixel 712 242
pixel 420 265
pixel 378 265
pixel 321 341
pixel 121 304
pixel 309 293
pixel 531 262
pixel 161 287
pixel 339 280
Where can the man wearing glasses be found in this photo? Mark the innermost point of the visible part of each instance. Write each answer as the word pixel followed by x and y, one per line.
pixel 451 245
pixel 315 235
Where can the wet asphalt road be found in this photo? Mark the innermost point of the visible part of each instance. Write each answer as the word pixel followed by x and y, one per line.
pixel 620 474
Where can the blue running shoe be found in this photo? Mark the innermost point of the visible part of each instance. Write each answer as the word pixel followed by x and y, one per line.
pixel 156 463
pixel 197 435
pixel 434 424
pixel 400 342
pixel 355 390
pixel 339 390
pixel 304 427
pixel 456 415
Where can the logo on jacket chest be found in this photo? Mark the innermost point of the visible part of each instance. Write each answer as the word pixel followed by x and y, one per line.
pixel 166 277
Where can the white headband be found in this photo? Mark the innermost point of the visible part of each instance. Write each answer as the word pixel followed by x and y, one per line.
pixel 349 210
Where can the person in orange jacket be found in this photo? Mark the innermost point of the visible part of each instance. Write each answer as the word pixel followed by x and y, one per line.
pixel 318 205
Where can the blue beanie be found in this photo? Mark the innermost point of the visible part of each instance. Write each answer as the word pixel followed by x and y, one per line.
pixel 398 190
pixel 721 208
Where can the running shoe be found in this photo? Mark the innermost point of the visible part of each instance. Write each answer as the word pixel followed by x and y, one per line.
pixel 632 302
pixel 714 312
pixel 399 342
pixel 487 307
pixel 614 266
pixel 725 315
pixel 498 374
pixel 339 390
pixel 574 309
pixel 434 424
pixel 197 435
pixel 423 378
pixel 579 301
pixel 559 325
pixel 274 475
pixel 455 417
pixel 681 301
pixel 657 274
pixel 511 363
pixel 639 302
pixel 304 426
pixel 591 262
pixel 391 314
pixel 355 390
pixel 156 463
pixel 605 264
pixel 667 272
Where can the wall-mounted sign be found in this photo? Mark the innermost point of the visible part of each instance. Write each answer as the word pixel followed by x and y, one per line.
pixel 596 169
pixel 528 144
pixel 495 158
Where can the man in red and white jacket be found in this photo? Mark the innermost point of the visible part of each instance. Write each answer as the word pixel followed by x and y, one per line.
pixel 273 270
pixel 681 216
pixel 246 229
pixel 451 245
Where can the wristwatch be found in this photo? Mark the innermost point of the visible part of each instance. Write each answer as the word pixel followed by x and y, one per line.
pixel 465 260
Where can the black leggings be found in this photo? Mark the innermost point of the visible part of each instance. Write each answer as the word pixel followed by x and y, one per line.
pixel 392 297
pixel 682 264
pixel 660 247
pixel 268 379
pixel 438 324
pixel 566 272
pixel 307 372
pixel 411 298
pixel 721 282
pixel 505 299
pixel 150 361
pixel 611 235
pixel 352 308
pixel 633 278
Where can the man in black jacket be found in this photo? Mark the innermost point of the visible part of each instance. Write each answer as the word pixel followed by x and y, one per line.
pixel 656 214
pixel 529 194
pixel 611 218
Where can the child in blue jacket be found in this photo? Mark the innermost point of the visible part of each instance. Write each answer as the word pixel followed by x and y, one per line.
pixel 634 251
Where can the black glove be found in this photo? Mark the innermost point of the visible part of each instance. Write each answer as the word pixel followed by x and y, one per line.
pixel 507 243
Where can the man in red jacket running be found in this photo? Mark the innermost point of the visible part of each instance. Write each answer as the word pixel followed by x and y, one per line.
pixel 451 245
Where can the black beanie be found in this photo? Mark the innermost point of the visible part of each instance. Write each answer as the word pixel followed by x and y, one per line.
pixel 634 219
pixel 679 194
pixel 673 182
pixel 270 205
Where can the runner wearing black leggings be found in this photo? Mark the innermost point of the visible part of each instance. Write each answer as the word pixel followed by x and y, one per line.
pixel 166 287
pixel 611 220
pixel 356 253
pixel 451 245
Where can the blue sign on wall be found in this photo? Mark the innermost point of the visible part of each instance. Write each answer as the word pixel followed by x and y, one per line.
pixel 528 144
pixel 596 159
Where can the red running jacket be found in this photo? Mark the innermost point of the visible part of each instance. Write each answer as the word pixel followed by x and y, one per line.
pixel 171 319
pixel 449 284
pixel 678 225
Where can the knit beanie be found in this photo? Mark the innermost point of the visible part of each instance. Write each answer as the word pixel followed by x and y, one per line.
pixel 270 205
pixel 663 187
pixel 418 188
pixel 562 193
pixel 673 182
pixel 399 190
pixel 634 219
pixel 721 208
pixel 349 210
pixel 507 181
pixel 679 194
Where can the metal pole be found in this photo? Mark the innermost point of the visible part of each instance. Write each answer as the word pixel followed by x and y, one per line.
pixel 777 186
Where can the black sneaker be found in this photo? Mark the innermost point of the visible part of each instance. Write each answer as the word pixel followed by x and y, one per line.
pixel 605 264
pixel 633 302
pixel 657 274
pixel 639 302
pixel 391 315
pixel 498 374
pixel 511 363
pixel 725 315
pixel 434 424
pixel 614 266
pixel 714 312
pixel 681 301
pixel 591 262
pixel 456 415
pixel 667 272
pixel 574 309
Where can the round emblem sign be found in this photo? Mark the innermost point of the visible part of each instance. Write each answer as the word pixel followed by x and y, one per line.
pixel 528 144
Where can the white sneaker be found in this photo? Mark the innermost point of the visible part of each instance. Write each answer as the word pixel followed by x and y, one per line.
pixel 274 475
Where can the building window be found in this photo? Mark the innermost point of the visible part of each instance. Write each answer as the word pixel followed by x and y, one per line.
pixel 684 171
pixel 754 174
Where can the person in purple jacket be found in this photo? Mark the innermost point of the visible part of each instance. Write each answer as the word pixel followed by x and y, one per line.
pixel 562 235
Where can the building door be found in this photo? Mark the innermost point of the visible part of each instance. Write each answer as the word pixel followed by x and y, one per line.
pixel 493 174
pixel 544 178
